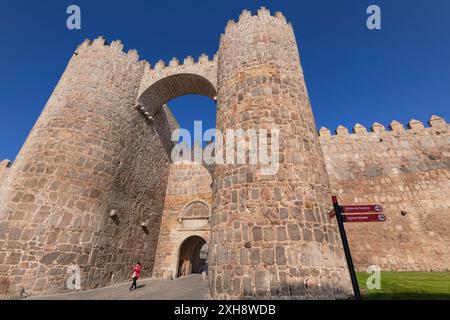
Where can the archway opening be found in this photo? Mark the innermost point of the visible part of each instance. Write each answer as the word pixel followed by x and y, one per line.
pixel 186 101
pixel 193 256
pixel 174 86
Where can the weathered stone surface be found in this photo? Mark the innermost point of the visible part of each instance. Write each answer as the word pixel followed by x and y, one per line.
pixel 257 234
pixel 49 258
pixel 66 258
pixel 268 257
pixel 13 258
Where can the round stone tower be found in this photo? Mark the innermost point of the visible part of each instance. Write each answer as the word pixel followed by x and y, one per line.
pixel 271 236
pixel 85 180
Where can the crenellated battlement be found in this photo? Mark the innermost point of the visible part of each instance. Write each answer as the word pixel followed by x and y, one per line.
pixel 395 126
pixel 262 14
pixel 262 17
pixel 100 43
pixel 258 38
pixel 117 46
pixel 189 61
pixel 204 66
pixel 200 77
pixel 175 64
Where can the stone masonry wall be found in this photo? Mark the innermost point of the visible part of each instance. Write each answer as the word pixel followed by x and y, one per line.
pixel 188 182
pixel 407 171
pixel 89 153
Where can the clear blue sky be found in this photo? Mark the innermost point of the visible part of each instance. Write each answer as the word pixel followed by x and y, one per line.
pixel 353 74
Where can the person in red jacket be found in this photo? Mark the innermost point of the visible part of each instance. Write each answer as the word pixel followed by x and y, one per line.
pixel 136 274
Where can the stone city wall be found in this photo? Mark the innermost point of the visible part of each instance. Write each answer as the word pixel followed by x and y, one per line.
pixel 407 172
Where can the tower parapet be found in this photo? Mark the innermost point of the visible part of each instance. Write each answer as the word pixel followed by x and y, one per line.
pixel 100 43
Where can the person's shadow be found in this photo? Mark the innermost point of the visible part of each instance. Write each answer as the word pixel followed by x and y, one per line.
pixel 140 286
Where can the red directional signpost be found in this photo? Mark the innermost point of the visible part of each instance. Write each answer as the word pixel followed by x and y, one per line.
pixel 358 213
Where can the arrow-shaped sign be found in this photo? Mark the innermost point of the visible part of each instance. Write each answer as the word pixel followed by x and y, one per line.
pixel 365 218
pixel 362 208
pixel 373 217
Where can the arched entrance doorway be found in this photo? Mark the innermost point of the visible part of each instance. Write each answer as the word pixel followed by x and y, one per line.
pixel 193 256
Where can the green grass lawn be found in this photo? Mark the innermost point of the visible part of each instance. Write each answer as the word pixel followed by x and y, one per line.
pixel 408 286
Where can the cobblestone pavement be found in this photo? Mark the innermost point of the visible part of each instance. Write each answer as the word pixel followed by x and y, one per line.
pixel 186 288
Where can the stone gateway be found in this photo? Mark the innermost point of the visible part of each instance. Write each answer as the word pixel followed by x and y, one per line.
pixel 94 185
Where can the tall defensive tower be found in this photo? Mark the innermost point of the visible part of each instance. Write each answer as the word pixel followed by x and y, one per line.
pixel 90 173
pixel 271 236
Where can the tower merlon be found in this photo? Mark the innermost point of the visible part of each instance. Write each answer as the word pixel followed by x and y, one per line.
pixel 147 65
pixel 341 130
pixel 263 12
pixel 396 126
pixel 188 60
pixel 5 164
pixel 174 62
pixel 378 127
pixel 436 121
pixel 117 44
pixel 279 15
pixel 100 41
pixel 203 58
pixel 133 54
pixel 324 132
pixel 414 124
pixel 159 65
pixel 246 14
pixel 359 129
pixel 231 25
pixel 86 43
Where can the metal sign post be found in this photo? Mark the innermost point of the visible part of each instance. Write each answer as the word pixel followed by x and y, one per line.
pixel 340 220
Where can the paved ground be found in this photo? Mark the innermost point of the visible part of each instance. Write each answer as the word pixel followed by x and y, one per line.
pixel 186 288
